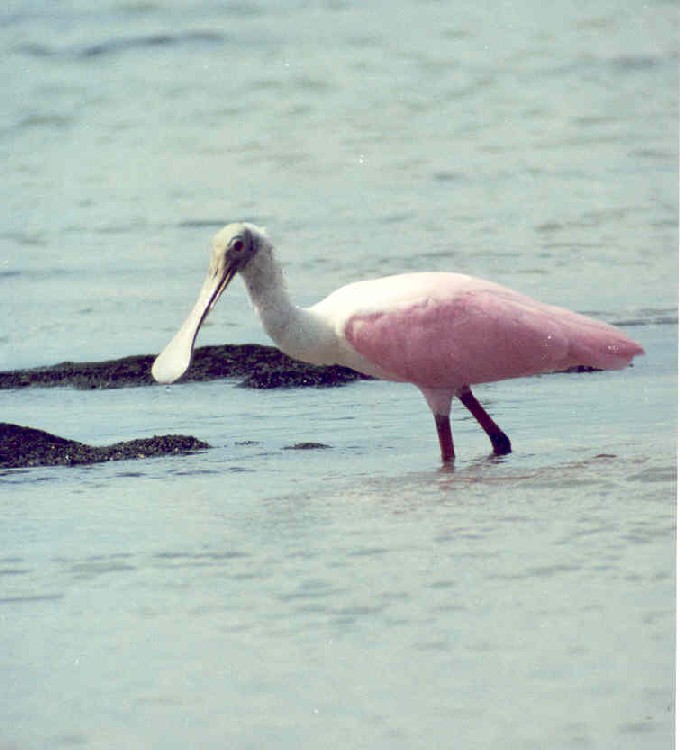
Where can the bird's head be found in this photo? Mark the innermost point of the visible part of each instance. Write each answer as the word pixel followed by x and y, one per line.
pixel 234 249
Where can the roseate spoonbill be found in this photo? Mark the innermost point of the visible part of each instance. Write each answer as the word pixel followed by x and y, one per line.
pixel 443 332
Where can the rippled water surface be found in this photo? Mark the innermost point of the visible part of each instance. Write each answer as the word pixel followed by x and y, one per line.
pixel 356 596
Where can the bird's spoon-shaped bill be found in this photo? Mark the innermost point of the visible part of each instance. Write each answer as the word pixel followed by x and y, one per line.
pixel 174 360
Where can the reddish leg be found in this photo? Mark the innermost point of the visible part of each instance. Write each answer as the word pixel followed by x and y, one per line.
pixel 445 437
pixel 499 440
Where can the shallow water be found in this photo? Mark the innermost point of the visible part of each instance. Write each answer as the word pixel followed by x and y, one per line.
pixel 252 596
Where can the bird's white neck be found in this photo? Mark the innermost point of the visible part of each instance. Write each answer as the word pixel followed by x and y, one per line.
pixel 296 331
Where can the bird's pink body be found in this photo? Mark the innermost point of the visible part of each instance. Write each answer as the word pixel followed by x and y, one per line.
pixel 449 330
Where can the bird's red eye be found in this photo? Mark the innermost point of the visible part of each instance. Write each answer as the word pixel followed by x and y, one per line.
pixel 238 246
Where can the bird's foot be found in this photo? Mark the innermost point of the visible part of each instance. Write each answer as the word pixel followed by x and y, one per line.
pixel 501 443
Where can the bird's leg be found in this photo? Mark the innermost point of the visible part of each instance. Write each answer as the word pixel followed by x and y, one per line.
pixel 499 440
pixel 445 437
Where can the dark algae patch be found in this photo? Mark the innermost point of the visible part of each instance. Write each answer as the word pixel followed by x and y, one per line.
pixel 24 447
pixel 119 373
pixel 256 366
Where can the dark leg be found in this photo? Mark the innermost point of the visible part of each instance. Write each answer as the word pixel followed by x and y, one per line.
pixel 445 437
pixel 499 440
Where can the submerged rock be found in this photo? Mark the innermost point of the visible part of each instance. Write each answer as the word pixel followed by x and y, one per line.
pixel 22 447
pixel 306 447
pixel 257 366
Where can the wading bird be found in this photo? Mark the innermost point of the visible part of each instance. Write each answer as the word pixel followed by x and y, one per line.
pixel 443 332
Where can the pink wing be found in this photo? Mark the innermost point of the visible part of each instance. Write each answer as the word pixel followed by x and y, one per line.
pixel 482 335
